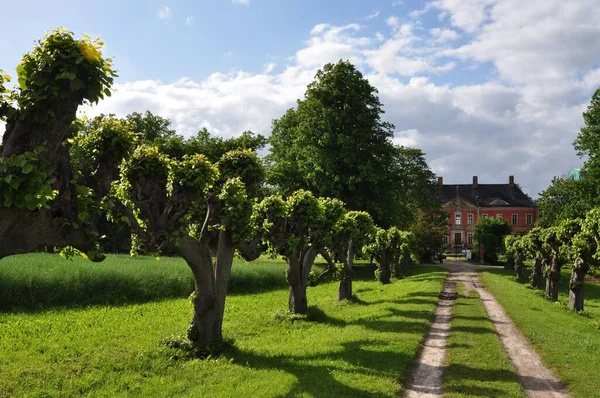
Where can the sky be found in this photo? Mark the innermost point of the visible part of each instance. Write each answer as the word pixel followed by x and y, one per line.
pixel 484 87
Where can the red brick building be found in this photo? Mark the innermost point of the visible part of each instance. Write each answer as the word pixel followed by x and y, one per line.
pixel 466 203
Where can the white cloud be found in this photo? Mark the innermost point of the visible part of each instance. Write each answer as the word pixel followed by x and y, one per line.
pixel 228 53
pixel 269 67
pixel 372 16
pixel 518 115
pixel 189 21
pixel 164 13
pixel 244 2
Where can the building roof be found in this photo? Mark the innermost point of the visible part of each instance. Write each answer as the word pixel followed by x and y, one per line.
pixel 487 195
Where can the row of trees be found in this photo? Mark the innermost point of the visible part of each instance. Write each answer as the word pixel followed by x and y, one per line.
pixel 75 183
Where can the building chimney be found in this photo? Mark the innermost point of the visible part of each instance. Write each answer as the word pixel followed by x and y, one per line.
pixel 511 181
pixel 475 183
pixel 441 181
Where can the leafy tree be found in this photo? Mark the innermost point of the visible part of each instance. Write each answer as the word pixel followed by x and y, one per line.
pixel 534 245
pixel 295 228
pixel 214 147
pixel 428 231
pixel 42 203
pixel 166 199
pixel 490 233
pixel 388 249
pixel 564 199
pixel 335 144
pixel 509 246
pixel 352 231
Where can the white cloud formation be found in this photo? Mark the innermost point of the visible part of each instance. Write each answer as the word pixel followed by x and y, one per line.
pixel 189 21
pixel 532 69
pixel 372 16
pixel 244 2
pixel 164 12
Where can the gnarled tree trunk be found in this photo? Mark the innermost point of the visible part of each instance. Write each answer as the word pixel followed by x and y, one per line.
pixel 299 266
pixel 536 273
pixel 552 278
pixel 345 289
pixel 520 268
pixel 576 285
pixel 210 286
pixel 510 262
pixel 384 271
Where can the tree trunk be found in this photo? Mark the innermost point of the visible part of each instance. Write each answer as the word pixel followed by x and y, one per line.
pixel 384 271
pixel 297 299
pixel 536 273
pixel 519 268
pixel 576 285
pixel 552 278
pixel 510 262
pixel 345 289
pixel 210 287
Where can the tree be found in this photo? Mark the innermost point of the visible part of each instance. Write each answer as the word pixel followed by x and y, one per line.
pixel 351 233
pixel 200 208
pixel 509 242
pixel 564 199
pixel 296 228
pixel 534 245
pixel 490 233
pixel 41 203
pixel 387 249
pixel 428 232
pixel 335 144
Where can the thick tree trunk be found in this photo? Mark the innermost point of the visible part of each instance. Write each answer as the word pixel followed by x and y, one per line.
pixel 345 289
pixel 536 273
pixel 297 299
pixel 210 287
pixel 520 268
pixel 552 278
pixel 385 272
pixel 576 285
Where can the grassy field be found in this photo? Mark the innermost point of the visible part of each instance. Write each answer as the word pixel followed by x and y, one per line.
pixel 476 363
pixel 567 342
pixel 364 348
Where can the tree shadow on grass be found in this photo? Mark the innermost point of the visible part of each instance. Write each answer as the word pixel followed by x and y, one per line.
pixel 314 379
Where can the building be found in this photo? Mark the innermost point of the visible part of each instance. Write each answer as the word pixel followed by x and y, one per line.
pixel 576 174
pixel 466 203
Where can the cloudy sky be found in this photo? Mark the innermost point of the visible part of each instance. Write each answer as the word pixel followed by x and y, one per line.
pixel 484 87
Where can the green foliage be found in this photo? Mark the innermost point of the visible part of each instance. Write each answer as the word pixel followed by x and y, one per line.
pixel 490 233
pixel 236 208
pixel 243 164
pixel 23 184
pixel 428 231
pixel 336 145
pixel 214 148
pixel 565 198
pixel 62 68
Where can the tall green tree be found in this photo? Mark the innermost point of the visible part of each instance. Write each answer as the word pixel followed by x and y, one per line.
pixel 336 144
pixel 490 233
pixel 565 198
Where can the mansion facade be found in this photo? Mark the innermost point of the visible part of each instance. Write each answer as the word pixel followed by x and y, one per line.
pixel 466 203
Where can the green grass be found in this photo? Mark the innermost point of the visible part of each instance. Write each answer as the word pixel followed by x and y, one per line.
pixel 38 281
pixel 567 342
pixel 476 363
pixel 364 348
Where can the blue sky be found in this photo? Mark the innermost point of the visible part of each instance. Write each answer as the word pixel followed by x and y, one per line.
pixel 485 87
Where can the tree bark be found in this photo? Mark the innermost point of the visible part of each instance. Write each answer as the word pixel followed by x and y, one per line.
pixel 536 273
pixel 576 285
pixel 552 278
pixel 519 268
pixel 297 302
pixel 385 272
pixel 345 289
pixel 210 287
pixel 510 262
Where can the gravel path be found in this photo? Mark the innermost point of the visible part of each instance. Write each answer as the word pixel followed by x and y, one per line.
pixel 426 379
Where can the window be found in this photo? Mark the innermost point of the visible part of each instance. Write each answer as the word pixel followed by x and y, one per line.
pixel 446 238
pixel 469 238
pixel 484 215
pixel 529 219
pixel 515 219
pixel 470 218
pixel 499 215
pixel 457 216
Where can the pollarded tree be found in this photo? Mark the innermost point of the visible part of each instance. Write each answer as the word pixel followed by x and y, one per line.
pixel 551 244
pixel 509 241
pixel 490 233
pixel 353 230
pixel 203 210
pixel 41 202
pixel 386 249
pixel 296 228
pixel 519 248
pixel 534 244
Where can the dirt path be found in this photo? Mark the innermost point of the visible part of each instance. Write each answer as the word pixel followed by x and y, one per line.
pixel 426 380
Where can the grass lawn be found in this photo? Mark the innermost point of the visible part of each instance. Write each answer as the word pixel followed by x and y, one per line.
pixel 476 363
pixel 364 348
pixel 567 342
